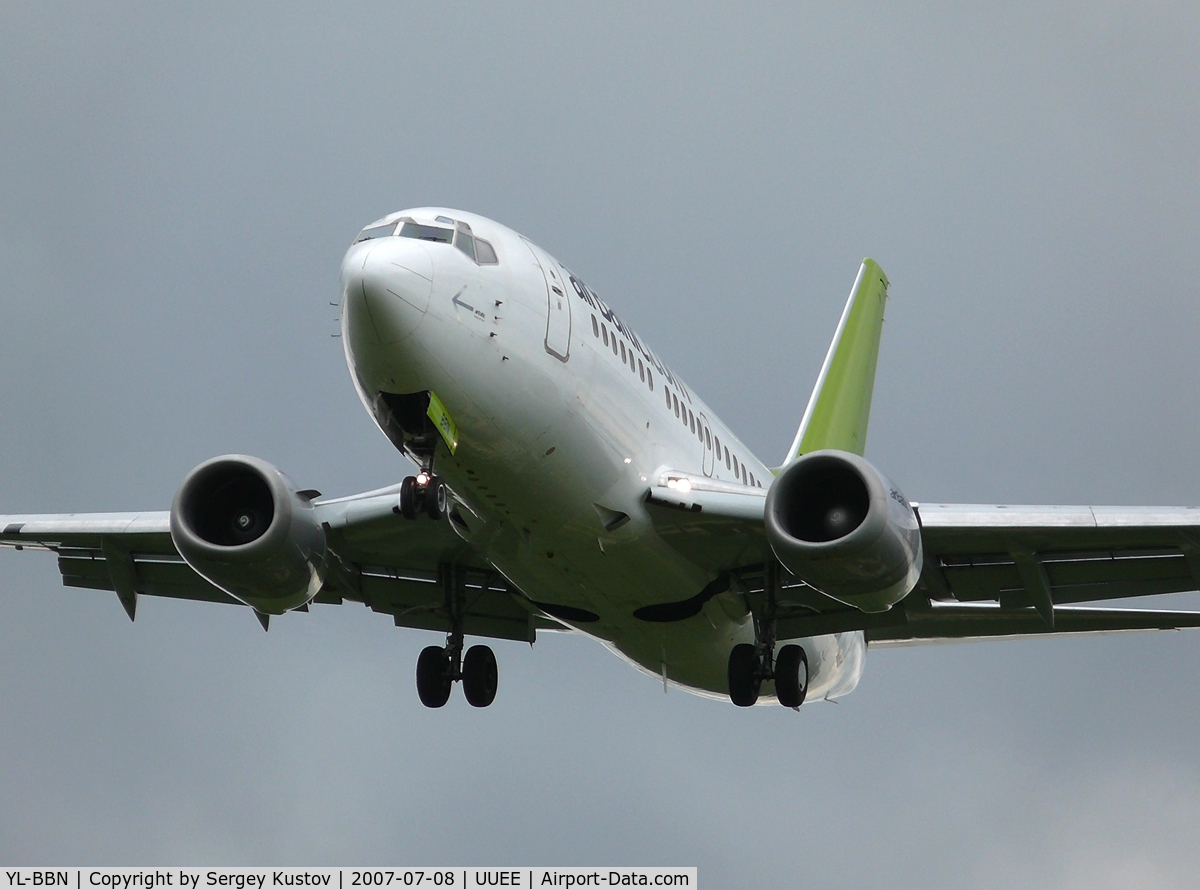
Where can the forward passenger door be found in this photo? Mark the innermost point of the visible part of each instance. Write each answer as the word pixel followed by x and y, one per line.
pixel 558 306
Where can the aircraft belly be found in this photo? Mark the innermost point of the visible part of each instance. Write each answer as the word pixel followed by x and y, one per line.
pixel 695 655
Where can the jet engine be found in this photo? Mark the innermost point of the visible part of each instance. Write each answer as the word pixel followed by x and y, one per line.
pixel 238 522
pixel 841 526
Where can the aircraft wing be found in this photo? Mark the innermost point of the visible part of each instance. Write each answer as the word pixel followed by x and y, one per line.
pixel 390 564
pixel 989 571
pixel 1010 570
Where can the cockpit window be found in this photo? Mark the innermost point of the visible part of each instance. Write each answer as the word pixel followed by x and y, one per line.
pixel 465 243
pixel 484 253
pixel 426 233
pixel 370 232
pixel 474 247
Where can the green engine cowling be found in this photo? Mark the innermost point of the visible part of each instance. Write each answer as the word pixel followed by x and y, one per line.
pixel 237 521
pixel 841 526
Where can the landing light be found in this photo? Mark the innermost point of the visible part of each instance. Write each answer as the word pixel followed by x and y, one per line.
pixel 422 479
pixel 681 485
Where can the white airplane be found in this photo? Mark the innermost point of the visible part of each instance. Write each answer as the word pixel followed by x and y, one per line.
pixel 570 481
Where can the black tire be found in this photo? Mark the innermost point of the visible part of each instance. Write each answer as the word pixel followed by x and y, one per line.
pixel 408 497
pixel 435 498
pixel 791 676
pixel 479 676
pixel 743 675
pixel 433 677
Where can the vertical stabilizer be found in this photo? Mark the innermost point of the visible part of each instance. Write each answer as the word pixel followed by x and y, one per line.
pixel 840 404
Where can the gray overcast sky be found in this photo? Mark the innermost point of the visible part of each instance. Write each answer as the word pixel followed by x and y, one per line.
pixel 177 188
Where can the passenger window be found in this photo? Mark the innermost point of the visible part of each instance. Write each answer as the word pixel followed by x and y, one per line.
pixel 735 466
pixel 707 440
pixel 675 402
pixel 727 457
pixel 718 441
pixel 650 379
pixel 743 474
pixel 604 328
pixel 614 343
pixel 667 393
pixel 692 421
pixel 751 478
pixel 485 254
pixel 641 370
pixel 465 243
pixel 622 352
pixel 595 327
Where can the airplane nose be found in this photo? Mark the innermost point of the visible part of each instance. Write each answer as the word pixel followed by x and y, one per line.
pixel 387 284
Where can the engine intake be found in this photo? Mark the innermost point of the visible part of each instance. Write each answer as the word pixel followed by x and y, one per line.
pixel 840 525
pixel 238 523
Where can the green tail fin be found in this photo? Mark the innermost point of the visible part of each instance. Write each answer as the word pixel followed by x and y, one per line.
pixel 840 404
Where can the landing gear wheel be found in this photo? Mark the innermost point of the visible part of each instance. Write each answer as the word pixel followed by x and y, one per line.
pixel 479 676
pixel 435 498
pixel 791 676
pixel 408 497
pixel 433 677
pixel 744 681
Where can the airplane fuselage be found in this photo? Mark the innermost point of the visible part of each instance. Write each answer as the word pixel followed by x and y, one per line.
pixel 564 418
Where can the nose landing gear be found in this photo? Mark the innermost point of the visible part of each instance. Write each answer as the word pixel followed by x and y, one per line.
pixel 423 493
pixel 439 666
pixel 751 663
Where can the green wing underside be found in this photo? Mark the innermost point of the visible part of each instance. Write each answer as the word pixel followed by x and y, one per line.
pixel 990 571
pixel 389 564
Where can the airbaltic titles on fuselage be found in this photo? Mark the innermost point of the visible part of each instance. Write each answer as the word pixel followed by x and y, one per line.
pixel 590 297
pixel 696 424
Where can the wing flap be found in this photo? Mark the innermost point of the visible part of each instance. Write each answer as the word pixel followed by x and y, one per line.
pixel 152 576
pixel 490 609
pixel 971 622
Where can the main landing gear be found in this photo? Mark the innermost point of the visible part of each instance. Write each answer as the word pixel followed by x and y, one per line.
pixel 439 666
pixel 751 663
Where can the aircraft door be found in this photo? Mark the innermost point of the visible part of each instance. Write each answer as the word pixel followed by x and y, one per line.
pixel 709 454
pixel 558 305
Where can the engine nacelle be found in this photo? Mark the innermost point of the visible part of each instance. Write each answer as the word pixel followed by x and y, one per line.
pixel 238 522
pixel 838 524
